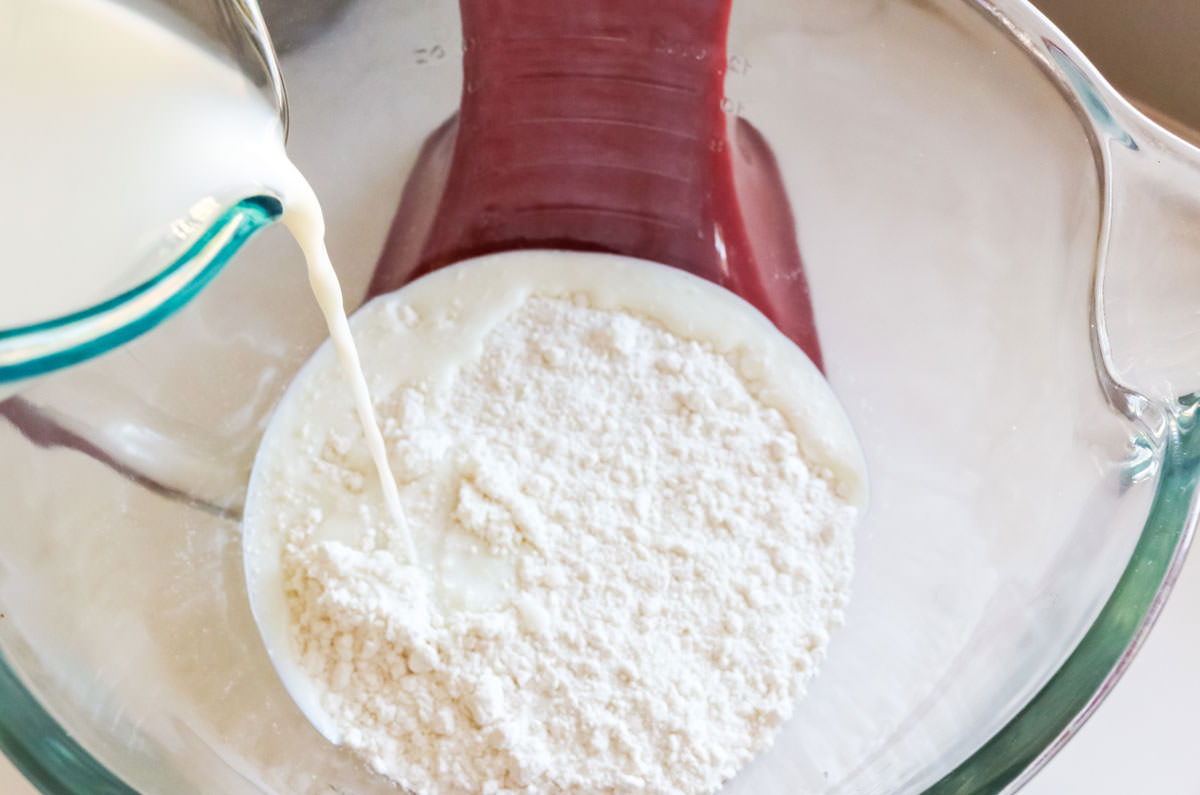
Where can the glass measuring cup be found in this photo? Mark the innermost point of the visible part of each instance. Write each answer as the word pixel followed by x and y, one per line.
pixel 994 241
pixel 87 266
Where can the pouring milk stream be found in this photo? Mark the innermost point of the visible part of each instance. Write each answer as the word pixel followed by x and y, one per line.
pixel 111 110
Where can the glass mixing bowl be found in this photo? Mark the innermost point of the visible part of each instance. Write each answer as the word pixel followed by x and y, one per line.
pixel 996 247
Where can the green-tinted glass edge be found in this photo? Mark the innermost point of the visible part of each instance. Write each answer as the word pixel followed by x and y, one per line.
pixel 1050 718
pixel 42 750
pixel 37 745
pixel 238 223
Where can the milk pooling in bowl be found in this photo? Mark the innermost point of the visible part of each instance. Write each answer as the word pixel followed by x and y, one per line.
pixel 630 498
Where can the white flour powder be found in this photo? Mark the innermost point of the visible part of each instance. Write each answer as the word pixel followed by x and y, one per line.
pixel 659 568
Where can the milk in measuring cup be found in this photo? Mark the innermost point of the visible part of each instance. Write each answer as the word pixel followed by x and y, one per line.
pixel 113 130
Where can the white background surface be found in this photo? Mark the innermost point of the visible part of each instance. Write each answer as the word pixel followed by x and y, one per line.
pixel 1142 740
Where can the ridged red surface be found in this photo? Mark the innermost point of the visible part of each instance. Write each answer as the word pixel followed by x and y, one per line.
pixel 599 125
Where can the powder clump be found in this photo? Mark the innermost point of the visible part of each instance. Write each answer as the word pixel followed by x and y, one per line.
pixel 667 567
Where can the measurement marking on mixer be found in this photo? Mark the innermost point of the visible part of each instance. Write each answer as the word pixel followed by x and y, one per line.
pixel 737 65
pixel 429 54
